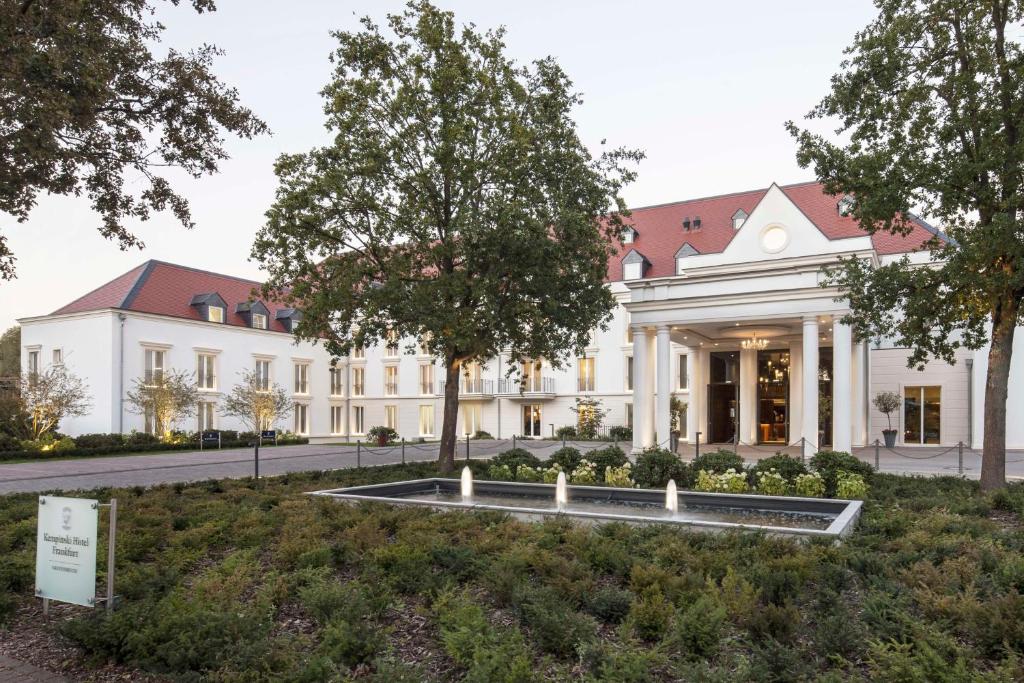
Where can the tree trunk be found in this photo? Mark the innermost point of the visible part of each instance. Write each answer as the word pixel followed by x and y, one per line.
pixel 993 457
pixel 446 456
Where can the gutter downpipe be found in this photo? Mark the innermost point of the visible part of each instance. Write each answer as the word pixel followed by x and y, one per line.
pixel 970 402
pixel 120 375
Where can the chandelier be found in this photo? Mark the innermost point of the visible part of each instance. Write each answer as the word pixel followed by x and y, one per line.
pixel 754 343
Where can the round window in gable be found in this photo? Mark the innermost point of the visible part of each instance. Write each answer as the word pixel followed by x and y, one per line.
pixel 774 239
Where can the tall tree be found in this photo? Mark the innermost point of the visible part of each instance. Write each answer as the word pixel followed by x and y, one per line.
pixel 456 204
pixel 168 397
pixel 931 99
pixel 86 108
pixel 10 352
pixel 48 396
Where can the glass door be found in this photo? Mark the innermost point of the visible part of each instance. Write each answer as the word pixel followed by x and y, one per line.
pixel 531 419
pixel 773 397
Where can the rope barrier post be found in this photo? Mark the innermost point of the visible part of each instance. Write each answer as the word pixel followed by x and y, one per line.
pixel 513 441
pixel 877 446
pixel 563 440
pixel 359 452
pixel 803 449
pixel 615 439
pixel 403 450
pixel 736 441
pixel 960 457
pixel 467 447
pixel 696 445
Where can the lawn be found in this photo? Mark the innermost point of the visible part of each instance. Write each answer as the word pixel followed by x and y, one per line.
pixel 238 581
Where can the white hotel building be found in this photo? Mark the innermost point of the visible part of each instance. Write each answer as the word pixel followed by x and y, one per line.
pixel 719 304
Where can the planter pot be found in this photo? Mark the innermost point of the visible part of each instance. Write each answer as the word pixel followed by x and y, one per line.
pixel 890 437
pixel 382 441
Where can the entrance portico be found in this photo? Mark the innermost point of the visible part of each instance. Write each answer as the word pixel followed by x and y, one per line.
pixel 755 381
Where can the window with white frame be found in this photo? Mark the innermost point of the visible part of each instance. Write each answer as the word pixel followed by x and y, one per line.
pixel 154 366
pixel 32 366
pixel 922 415
pixel 632 271
pixel 259 321
pixel 206 373
pixel 470 419
pixel 215 314
pixel 391 350
pixel 149 421
pixel 337 384
pixel 629 415
pixel 391 417
pixel 424 341
pixel 426 379
pixel 357 419
pixel 207 412
pixel 58 356
pixel 681 379
pixel 358 352
pixel 302 378
pixel 426 420
pixel 629 373
pixel 263 374
pixel 585 374
pixel 301 418
pixel 628 336
pixel 628 236
pixel 337 419
pixel 391 380
pixel 358 388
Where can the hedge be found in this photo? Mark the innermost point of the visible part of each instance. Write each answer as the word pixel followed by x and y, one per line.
pixel 132 448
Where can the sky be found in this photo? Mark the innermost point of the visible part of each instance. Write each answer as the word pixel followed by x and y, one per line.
pixel 703 88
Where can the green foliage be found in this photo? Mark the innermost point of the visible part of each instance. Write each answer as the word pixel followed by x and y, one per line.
pixel 602 458
pixel 621 477
pixel 811 485
pixel 568 458
pixel 501 473
pixel 589 417
pixel 514 458
pixel 655 466
pixel 550 475
pixel 887 403
pixel 787 466
pixel 771 483
pixel 697 630
pixel 620 433
pixel 584 474
pixel 717 462
pixel 729 481
pixel 554 625
pixel 429 113
pixel 850 486
pixel 382 436
pixel 567 432
pixel 482 435
pixel 486 653
pixel 89 104
pixel 609 604
pixel 830 463
pixel 928 100
pixel 529 474
pixel 10 352
pixel 650 615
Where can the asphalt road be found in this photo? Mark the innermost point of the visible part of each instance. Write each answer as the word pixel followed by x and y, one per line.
pixel 189 466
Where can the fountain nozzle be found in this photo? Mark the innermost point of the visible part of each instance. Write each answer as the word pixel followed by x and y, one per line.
pixel 671 497
pixel 467 485
pixel 561 492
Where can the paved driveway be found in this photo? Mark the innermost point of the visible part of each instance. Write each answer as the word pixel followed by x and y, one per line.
pixel 187 466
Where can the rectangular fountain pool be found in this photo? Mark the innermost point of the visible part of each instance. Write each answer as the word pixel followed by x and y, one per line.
pixel 773 514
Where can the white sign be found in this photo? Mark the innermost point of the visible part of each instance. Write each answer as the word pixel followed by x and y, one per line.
pixel 66 550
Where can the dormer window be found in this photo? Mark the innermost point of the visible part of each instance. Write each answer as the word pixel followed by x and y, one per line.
pixel 629 236
pixel 738 219
pixel 684 251
pixel 288 317
pixel 634 265
pixel 255 314
pixel 210 306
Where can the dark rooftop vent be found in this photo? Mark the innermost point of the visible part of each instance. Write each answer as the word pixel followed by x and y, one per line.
pixel 696 222
pixel 686 223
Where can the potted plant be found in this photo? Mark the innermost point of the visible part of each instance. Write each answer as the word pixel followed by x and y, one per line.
pixel 888 402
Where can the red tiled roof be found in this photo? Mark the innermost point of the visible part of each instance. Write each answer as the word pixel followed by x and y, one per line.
pixel 661 233
pixel 167 289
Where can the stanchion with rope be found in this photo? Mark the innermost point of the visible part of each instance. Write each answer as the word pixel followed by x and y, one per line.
pixel 403 450
pixel 359 453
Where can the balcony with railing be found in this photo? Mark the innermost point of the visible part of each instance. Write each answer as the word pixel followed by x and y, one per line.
pixel 426 388
pixel 584 384
pixel 357 389
pixel 472 389
pixel 391 388
pixel 534 387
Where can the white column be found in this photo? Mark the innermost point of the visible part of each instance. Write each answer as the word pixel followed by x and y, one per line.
pixel 693 385
pixel 858 395
pixel 649 382
pixel 809 409
pixel 842 388
pixel 643 389
pixel 748 396
pixel 663 426
pixel 796 391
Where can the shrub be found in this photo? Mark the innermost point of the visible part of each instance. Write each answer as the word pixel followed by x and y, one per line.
pixel 609 604
pixel 550 475
pixel 810 485
pixel 567 432
pixel 568 458
pixel 64 444
pixel 620 433
pixel 501 473
pixel 717 462
pixel 850 486
pixel 514 458
pixel 487 653
pixel 554 625
pixel 789 467
pixel 382 436
pixel 530 474
pixel 141 439
pixel 351 643
pixel 481 434
pixel 830 463
pixel 619 476
pixel 99 440
pixel 606 457
pixel 327 600
pixel 655 466
pixel 697 630
pixel 729 481
pixel 771 483
pixel 9 443
pixel 650 615
pixel 585 473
